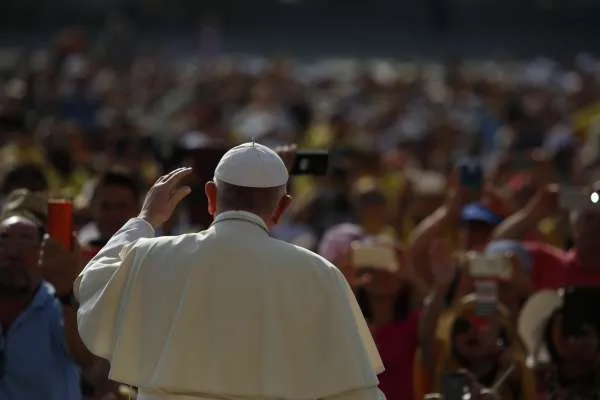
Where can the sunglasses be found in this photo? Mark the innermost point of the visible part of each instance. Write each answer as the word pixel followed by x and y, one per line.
pixel 465 324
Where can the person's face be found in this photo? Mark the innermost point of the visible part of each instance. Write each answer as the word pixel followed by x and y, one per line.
pixel 382 283
pixel 474 341
pixel 586 234
pixel 373 214
pixel 19 252
pixel 113 206
pixel 475 235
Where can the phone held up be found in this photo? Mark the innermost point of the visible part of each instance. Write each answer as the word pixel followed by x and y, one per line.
pixel 60 222
pixel 374 255
pixel 471 174
pixel 310 163
pixel 490 266
pixel 486 271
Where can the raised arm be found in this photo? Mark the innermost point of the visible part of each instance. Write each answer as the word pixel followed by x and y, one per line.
pixel 438 225
pixel 443 271
pixel 101 285
pixel 525 221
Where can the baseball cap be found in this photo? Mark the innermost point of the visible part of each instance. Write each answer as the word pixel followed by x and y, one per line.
pixel 501 247
pixel 252 165
pixel 476 212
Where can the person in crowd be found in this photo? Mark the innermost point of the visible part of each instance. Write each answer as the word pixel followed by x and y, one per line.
pixel 40 347
pixel 372 220
pixel 389 300
pixel 567 365
pixel 115 200
pixel 265 334
pixel 24 176
pixel 469 224
pixel 263 119
pixel 552 267
pixel 22 149
pixel 458 338
pixel 322 209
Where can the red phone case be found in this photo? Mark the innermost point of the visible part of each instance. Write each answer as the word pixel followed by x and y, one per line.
pixel 60 222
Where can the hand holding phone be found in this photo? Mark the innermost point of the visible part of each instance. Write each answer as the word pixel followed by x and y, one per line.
pixel 471 174
pixel 60 222
pixel 490 266
pixel 374 255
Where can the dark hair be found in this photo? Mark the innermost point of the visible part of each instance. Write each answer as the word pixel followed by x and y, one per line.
pixel 24 176
pixel 402 303
pixel 123 179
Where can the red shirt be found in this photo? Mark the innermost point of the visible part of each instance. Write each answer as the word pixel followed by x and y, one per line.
pixel 554 268
pixel 397 344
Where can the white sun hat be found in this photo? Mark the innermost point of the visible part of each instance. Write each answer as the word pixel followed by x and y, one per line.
pixel 532 322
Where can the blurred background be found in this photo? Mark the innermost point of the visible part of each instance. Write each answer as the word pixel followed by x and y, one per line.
pixel 310 28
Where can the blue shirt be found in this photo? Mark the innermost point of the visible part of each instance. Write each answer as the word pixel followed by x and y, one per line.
pixel 37 364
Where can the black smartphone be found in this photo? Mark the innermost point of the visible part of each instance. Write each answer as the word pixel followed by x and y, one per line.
pixel 454 386
pixel 310 162
pixel 580 309
pixel 471 174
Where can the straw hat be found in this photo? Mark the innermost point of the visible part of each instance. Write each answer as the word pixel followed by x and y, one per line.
pixel 532 322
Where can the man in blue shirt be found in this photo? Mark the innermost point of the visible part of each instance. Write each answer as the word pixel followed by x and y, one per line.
pixel 40 347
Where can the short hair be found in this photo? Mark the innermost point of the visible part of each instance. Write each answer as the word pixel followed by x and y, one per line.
pixel 260 201
pixel 25 176
pixel 122 178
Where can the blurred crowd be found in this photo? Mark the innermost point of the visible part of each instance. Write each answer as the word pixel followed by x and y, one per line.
pixel 97 121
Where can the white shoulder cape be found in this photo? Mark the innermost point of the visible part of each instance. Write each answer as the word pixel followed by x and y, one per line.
pixel 228 311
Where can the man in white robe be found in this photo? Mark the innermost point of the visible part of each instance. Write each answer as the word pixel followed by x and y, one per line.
pixel 230 312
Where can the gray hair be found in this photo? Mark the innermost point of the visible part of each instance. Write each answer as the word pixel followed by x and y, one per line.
pixel 260 201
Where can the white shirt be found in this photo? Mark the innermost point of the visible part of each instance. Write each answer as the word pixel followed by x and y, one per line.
pixel 225 313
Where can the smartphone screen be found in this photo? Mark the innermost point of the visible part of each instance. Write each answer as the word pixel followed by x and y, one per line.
pixel 374 257
pixel 471 174
pixel 60 222
pixel 313 163
pixel 494 266
pixel 486 298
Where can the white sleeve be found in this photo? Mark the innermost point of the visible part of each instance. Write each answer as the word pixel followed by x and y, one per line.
pixel 99 287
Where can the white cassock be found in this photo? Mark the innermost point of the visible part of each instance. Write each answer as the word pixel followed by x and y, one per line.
pixel 228 313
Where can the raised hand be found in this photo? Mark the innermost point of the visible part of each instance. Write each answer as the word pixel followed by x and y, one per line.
pixel 443 265
pixel 164 196
pixel 546 203
pixel 58 265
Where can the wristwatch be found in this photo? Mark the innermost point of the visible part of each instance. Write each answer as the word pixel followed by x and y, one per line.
pixel 68 299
